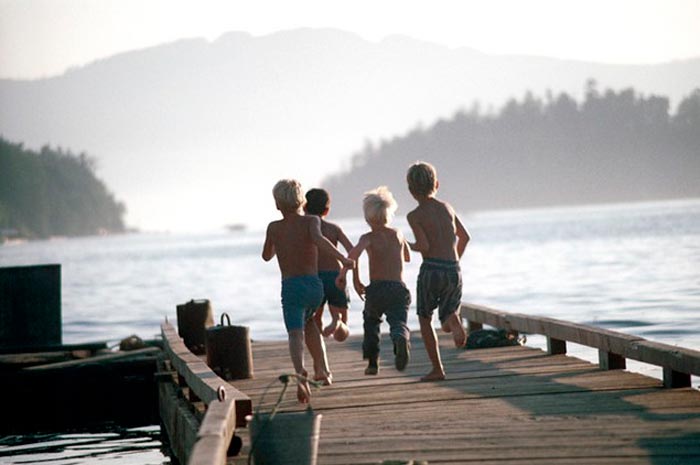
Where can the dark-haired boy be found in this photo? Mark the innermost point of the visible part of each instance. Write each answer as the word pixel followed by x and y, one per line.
pixel 318 203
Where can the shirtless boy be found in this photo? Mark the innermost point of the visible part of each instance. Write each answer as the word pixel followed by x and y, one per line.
pixel 386 294
pixel 441 239
pixel 318 203
pixel 296 240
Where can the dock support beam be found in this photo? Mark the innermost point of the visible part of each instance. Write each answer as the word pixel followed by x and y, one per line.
pixel 556 346
pixel 610 361
pixel 675 379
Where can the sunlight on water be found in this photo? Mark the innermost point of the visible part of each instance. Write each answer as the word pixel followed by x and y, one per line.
pixel 135 446
pixel 632 268
pixel 634 263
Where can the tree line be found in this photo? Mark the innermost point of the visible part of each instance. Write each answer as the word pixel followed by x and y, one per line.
pixel 53 192
pixel 611 146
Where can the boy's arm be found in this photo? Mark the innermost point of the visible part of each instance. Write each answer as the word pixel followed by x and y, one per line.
pixel 324 244
pixel 354 254
pixel 421 245
pixel 343 239
pixel 463 237
pixel 406 251
pixel 269 247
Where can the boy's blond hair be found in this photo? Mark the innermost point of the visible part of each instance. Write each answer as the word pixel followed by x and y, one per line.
pixel 379 205
pixel 288 194
pixel 422 179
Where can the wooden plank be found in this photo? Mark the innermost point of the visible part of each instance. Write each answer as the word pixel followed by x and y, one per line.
pixel 200 378
pixel 96 359
pixel 503 405
pixel 179 422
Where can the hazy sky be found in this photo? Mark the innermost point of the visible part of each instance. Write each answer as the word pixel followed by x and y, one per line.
pixel 44 37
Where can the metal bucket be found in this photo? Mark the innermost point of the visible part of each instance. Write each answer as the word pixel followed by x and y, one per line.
pixel 229 352
pixel 289 438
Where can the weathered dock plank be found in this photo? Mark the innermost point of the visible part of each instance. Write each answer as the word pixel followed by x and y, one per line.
pixel 498 406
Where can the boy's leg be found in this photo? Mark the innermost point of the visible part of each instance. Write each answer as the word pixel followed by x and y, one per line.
pixel 453 324
pixel 431 346
pixel 370 343
pixel 335 321
pixel 296 351
pixel 317 349
pixel 318 317
pixel 400 336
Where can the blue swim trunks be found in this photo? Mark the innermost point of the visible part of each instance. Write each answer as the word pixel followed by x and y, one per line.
pixel 331 294
pixel 301 296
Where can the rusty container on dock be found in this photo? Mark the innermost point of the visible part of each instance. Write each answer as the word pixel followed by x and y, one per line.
pixel 193 319
pixel 229 352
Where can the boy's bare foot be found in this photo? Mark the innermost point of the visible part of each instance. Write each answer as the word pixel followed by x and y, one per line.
pixel 341 333
pixel 435 375
pixel 459 334
pixel 372 367
pixel 326 379
pixel 332 327
pixel 303 389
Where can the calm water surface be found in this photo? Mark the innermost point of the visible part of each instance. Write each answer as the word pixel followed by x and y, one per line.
pixel 633 268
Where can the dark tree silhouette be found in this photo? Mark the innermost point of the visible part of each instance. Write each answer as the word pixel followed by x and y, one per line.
pixel 53 192
pixel 611 147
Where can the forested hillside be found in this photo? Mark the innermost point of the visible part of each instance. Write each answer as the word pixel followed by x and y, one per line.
pixel 53 192
pixel 610 147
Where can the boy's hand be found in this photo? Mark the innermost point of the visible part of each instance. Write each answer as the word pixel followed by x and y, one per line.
pixel 348 263
pixel 360 289
pixel 341 281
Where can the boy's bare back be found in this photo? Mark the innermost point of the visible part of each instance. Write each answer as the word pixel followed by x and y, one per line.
pixel 292 241
pixel 434 225
pixel 387 250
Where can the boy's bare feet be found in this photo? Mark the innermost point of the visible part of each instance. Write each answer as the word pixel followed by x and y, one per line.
pixel 341 333
pixel 453 325
pixel 332 327
pixel 326 379
pixel 372 367
pixel 435 375
pixel 303 389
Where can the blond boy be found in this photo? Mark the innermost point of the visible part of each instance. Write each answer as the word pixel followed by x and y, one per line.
pixel 296 240
pixel 441 239
pixel 386 294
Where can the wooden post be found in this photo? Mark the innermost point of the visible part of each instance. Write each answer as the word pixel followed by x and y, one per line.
pixel 555 346
pixel 610 361
pixel 675 379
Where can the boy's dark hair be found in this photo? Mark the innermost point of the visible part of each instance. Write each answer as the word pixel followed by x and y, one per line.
pixel 317 201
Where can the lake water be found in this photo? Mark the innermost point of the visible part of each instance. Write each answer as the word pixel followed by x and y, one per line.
pixel 633 268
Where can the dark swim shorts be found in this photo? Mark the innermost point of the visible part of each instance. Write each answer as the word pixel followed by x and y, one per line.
pixel 439 286
pixel 331 294
pixel 301 296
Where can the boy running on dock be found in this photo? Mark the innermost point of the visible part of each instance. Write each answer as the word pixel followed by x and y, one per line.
pixel 441 239
pixel 318 202
pixel 296 240
pixel 386 294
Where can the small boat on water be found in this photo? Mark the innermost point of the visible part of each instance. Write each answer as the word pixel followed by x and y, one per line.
pixel 236 227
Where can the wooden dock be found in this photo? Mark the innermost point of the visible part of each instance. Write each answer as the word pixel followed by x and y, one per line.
pixel 518 405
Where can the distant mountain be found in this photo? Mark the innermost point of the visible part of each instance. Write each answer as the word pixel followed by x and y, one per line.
pixel 195 133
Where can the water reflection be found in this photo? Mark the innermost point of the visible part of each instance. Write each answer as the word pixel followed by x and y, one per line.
pixel 117 446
